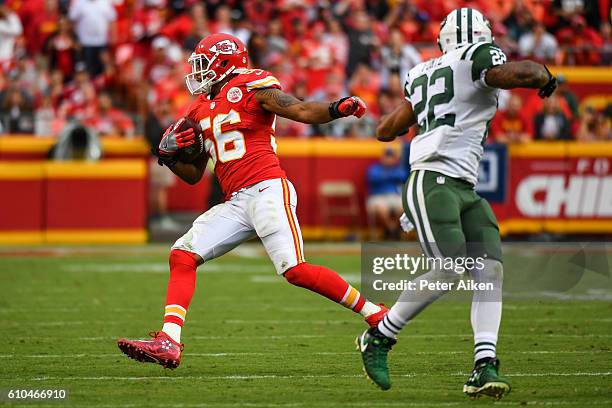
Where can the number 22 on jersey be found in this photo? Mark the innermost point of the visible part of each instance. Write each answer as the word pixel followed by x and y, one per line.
pixel 430 121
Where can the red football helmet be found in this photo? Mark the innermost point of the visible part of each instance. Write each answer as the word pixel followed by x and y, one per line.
pixel 214 58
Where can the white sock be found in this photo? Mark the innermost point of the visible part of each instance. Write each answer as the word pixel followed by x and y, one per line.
pixel 369 309
pixel 173 330
pixel 487 309
pixel 412 302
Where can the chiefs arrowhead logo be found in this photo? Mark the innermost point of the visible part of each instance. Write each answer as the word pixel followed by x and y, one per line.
pixel 224 47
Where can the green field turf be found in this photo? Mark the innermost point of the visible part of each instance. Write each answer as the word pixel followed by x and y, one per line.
pixel 252 340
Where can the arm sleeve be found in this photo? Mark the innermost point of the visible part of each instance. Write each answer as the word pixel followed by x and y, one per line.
pixel 484 58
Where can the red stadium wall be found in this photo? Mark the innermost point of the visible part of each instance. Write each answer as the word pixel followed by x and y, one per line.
pixel 73 202
pixel 563 187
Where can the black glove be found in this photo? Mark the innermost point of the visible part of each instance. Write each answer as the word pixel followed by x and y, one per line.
pixel 550 86
pixel 167 161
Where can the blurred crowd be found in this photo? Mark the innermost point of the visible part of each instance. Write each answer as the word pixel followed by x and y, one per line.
pixel 117 66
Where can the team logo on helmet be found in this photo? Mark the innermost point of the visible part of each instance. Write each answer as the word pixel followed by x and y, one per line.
pixel 224 47
pixel 234 95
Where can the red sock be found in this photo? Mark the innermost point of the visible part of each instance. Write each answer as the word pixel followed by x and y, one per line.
pixel 325 282
pixel 180 286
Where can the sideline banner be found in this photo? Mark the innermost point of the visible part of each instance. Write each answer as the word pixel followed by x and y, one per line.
pixel 559 188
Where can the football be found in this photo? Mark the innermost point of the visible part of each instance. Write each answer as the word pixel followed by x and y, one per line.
pixel 190 153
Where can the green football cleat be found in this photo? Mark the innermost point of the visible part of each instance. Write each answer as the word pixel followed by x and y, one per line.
pixel 485 380
pixel 374 347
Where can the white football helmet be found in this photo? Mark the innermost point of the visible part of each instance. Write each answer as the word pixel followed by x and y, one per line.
pixel 461 27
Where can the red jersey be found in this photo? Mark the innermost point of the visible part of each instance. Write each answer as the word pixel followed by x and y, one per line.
pixel 238 133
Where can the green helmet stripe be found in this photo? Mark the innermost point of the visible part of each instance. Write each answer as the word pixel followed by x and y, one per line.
pixel 470 37
pixel 459 26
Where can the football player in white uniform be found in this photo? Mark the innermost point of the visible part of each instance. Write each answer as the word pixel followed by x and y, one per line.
pixel 452 99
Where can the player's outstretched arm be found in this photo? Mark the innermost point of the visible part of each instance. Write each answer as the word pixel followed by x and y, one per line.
pixel 522 74
pixel 285 105
pixel 396 123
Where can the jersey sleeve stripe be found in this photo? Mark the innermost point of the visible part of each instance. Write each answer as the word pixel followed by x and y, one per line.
pixel 262 83
pixel 470 35
pixel 470 52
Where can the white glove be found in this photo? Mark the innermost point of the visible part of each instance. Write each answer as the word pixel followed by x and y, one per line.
pixel 405 223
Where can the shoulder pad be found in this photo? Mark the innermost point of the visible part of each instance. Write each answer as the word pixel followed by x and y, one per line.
pixel 253 79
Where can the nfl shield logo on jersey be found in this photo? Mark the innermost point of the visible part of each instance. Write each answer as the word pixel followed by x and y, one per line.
pixel 234 95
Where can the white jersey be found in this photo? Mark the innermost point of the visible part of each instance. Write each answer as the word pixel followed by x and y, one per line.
pixel 454 107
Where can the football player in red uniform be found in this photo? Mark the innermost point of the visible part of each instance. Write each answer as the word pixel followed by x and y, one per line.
pixel 236 108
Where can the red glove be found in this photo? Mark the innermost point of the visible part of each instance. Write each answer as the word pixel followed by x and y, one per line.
pixel 173 140
pixel 347 106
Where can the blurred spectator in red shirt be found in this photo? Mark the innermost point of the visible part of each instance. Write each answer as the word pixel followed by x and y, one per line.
pixel 39 20
pixel 538 44
pixel 55 88
pixel 159 64
pixel 61 49
pixel 110 121
pixel 199 27
pixel 511 126
pixel 317 58
pixel 365 83
pixel 533 103
pixel 259 13
pixel 592 127
pixel 283 69
pixel 579 42
pixel 146 25
pixel 226 23
pixel 79 96
pixel 337 40
pixel 551 123
pixel 182 26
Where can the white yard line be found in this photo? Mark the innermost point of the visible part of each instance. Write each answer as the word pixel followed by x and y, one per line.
pixel 307 376
pixel 320 353
pixel 334 335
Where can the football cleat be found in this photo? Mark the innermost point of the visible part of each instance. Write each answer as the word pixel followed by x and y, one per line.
pixel 373 319
pixel 161 349
pixel 485 380
pixel 374 347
